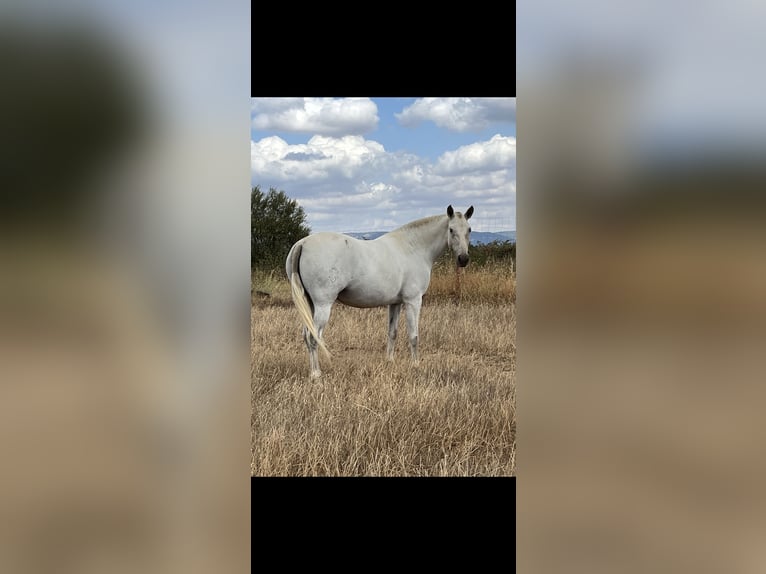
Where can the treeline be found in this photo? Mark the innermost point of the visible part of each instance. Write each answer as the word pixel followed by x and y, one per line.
pixel 276 223
pixel 496 253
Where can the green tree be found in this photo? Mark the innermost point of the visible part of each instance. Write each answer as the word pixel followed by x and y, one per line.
pixel 277 222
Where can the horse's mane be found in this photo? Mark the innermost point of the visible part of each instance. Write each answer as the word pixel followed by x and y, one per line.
pixel 417 224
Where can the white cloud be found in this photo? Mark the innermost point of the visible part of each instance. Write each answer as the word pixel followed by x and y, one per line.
pixel 459 114
pixel 353 184
pixel 319 159
pixel 497 153
pixel 324 116
pixel 365 196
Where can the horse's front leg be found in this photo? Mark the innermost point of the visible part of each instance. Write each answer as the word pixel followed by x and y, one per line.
pixel 412 314
pixel 393 326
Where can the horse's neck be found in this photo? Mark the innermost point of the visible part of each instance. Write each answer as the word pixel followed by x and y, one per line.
pixel 430 240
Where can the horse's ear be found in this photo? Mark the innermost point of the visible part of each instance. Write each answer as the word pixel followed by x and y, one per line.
pixel 450 211
pixel 469 213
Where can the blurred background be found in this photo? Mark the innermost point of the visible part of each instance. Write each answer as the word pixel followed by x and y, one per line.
pixel 641 178
pixel 124 286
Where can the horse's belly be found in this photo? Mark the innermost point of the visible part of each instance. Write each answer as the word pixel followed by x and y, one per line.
pixel 366 298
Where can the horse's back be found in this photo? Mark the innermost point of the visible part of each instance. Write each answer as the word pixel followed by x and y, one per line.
pixel 343 253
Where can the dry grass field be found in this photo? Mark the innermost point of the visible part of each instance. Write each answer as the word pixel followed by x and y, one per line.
pixel 453 414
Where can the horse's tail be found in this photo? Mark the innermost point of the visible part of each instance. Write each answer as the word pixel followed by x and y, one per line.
pixel 301 301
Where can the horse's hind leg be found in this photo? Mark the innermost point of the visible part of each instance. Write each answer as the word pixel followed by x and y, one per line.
pixel 311 345
pixel 321 316
pixel 393 326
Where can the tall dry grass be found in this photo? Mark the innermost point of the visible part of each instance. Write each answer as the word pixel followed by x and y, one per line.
pixel 453 414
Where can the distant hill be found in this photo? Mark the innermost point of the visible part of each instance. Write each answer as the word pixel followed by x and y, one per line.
pixel 477 237
pixel 480 237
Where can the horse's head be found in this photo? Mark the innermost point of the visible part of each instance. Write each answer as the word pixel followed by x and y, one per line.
pixel 458 235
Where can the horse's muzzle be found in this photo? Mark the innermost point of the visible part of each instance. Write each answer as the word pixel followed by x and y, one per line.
pixel 462 260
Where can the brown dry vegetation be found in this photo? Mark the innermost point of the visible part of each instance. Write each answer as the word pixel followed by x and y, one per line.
pixel 451 415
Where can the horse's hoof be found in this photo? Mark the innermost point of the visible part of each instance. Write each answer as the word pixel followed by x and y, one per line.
pixel 315 375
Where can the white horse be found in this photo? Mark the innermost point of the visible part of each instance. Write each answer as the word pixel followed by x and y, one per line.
pixel 393 269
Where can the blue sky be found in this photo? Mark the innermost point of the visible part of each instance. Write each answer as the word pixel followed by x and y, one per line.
pixel 369 164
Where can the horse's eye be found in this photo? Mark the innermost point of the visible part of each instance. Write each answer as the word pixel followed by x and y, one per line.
pixel 452 231
pixel 469 230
